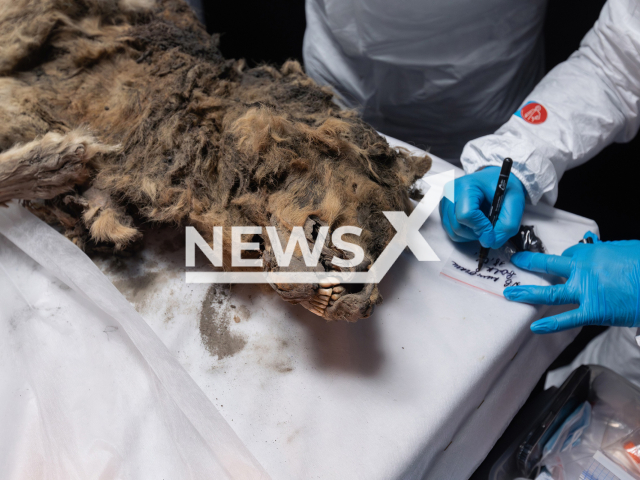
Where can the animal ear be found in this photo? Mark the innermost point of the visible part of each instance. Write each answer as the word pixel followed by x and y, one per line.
pixel 417 167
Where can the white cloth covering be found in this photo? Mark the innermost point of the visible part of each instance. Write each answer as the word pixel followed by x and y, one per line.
pixel 591 101
pixel 422 389
pixel 87 390
pixel 436 73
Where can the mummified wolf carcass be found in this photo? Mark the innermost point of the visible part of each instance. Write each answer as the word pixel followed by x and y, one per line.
pixel 119 112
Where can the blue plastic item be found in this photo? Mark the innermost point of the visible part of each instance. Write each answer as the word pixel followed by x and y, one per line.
pixel 603 278
pixel 466 220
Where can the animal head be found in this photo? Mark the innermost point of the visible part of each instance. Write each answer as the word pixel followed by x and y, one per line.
pixel 161 128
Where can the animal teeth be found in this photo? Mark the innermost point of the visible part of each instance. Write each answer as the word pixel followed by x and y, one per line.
pixel 327 295
pixel 329 282
pixel 320 313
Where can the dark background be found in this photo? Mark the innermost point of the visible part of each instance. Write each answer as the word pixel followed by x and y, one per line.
pixel 604 189
pixel 260 31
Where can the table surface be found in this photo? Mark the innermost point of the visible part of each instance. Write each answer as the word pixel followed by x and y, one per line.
pixel 422 389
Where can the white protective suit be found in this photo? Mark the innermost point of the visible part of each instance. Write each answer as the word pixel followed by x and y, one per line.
pixel 589 101
pixel 442 72
pixel 580 107
pixel 435 73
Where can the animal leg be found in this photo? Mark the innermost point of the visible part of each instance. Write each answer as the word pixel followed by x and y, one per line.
pixel 39 157
pixel 48 166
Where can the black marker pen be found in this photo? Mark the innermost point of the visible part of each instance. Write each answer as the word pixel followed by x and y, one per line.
pixel 496 206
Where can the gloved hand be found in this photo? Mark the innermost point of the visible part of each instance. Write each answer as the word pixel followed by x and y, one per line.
pixel 467 219
pixel 604 278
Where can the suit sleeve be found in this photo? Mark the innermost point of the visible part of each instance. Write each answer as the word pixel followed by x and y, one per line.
pixel 581 106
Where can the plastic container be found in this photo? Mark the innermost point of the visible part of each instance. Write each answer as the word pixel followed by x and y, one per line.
pixel 594 441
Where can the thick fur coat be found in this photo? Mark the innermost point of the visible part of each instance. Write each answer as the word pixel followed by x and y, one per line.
pixel 117 112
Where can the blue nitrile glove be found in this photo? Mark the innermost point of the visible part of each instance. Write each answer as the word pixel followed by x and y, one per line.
pixel 603 278
pixel 466 220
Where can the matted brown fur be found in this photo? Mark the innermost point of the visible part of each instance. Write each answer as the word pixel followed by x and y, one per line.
pixel 110 107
